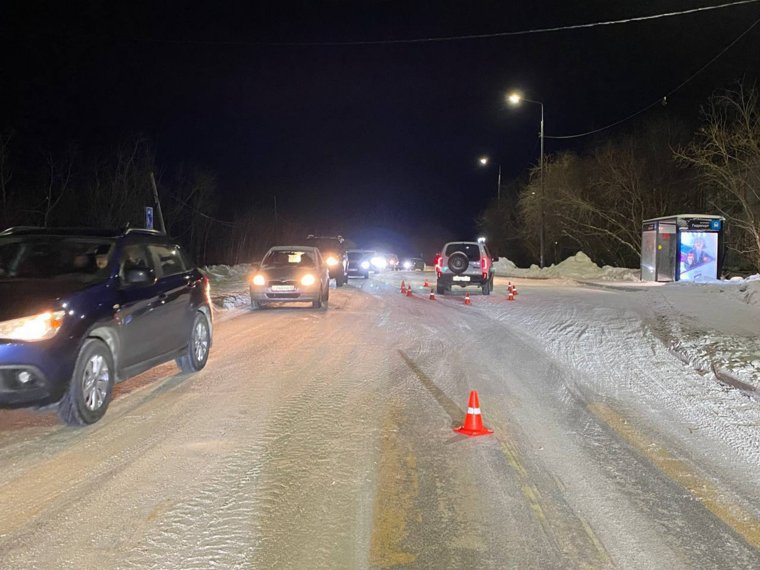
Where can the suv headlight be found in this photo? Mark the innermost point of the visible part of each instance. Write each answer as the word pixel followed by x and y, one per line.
pixel 39 327
pixel 331 260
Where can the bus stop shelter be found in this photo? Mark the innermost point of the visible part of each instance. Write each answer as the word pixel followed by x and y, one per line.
pixel 684 247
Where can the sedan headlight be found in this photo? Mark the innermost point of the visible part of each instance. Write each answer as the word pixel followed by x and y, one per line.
pixel 365 264
pixel 331 260
pixel 38 327
pixel 259 280
pixel 307 280
pixel 407 265
pixel 379 262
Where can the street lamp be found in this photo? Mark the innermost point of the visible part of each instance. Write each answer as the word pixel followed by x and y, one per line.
pixel 516 99
pixel 484 160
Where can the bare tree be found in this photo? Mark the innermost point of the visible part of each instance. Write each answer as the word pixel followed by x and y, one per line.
pixel 6 175
pixel 59 176
pixel 726 154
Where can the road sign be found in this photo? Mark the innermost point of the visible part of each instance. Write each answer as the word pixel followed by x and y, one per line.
pixel 149 217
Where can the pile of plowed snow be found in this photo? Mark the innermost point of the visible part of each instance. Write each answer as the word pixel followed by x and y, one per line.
pixel 229 285
pixel 578 266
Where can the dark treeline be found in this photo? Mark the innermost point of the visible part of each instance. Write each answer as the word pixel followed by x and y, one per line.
pixel 596 200
pixel 112 188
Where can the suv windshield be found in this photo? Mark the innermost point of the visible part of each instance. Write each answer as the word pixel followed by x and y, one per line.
pixel 471 250
pixel 325 244
pixel 359 255
pixel 55 257
pixel 288 258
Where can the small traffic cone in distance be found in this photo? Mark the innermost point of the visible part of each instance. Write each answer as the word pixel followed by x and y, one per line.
pixel 403 287
pixel 473 421
pixel 511 295
pixel 514 289
pixel 467 298
pixel 432 294
pixel 426 284
pixel 409 291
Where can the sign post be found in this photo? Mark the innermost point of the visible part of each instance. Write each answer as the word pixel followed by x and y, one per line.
pixel 148 217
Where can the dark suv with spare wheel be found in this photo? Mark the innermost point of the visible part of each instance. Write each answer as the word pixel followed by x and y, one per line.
pixel 334 255
pixel 82 309
pixel 464 263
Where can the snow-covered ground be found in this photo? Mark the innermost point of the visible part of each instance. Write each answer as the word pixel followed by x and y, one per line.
pixel 711 326
pixel 229 285
pixel 323 438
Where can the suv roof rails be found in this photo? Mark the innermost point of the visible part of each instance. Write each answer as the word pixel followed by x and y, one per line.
pixel 14 229
pixel 338 237
pixel 142 231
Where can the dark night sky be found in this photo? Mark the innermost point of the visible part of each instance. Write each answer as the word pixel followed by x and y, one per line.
pixel 364 135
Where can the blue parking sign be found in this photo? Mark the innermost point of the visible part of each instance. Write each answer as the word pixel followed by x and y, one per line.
pixel 714 224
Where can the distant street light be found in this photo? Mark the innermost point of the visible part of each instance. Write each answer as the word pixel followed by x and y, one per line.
pixel 484 160
pixel 516 99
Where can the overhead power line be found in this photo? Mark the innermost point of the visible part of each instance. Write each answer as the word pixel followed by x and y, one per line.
pixel 660 99
pixel 435 39
pixel 517 32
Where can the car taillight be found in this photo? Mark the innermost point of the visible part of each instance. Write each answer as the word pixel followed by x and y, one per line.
pixel 484 267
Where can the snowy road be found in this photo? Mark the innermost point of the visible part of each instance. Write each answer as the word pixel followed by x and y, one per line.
pixel 323 439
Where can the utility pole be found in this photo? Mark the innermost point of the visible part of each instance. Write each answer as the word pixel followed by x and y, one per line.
pixel 498 188
pixel 161 225
pixel 275 220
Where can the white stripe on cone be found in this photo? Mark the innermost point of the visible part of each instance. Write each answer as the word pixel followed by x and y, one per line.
pixel 475 411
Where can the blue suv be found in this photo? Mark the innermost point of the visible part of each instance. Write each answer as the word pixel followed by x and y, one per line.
pixel 82 309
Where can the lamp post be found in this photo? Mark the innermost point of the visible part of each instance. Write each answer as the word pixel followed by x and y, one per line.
pixel 516 99
pixel 483 160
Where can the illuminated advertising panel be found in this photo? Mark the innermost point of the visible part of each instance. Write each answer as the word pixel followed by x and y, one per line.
pixel 698 255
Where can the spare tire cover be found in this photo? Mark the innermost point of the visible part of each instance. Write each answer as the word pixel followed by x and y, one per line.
pixel 458 262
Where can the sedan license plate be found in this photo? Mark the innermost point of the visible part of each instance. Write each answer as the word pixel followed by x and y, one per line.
pixel 461 277
pixel 283 288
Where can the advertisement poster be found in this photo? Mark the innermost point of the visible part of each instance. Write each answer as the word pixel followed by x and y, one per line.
pixel 698 256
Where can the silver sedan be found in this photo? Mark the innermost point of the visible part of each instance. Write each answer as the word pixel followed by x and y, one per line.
pixel 291 274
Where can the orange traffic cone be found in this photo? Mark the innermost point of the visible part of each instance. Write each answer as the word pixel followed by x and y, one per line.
pixel 432 294
pixel 409 291
pixel 467 298
pixel 511 295
pixel 514 290
pixel 426 284
pixel 473 421
pixel 403 287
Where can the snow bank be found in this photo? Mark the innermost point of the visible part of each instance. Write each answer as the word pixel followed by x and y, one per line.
pixel 229 284
pixel 578 266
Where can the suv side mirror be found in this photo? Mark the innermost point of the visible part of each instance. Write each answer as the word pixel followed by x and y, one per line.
pixel 139 276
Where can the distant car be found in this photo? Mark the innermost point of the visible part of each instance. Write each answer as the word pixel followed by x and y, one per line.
pixel 413 264
pixel 334 255
pixel 291 273
pixel 82 309
pixel 379 262
pixel 359 262
pixel 465 263
pixel 392 261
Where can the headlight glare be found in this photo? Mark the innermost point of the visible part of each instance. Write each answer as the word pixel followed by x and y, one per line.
pixel 259 280
pixel 307 280
pixel 39 327
pixel 365 264
pixel 332 260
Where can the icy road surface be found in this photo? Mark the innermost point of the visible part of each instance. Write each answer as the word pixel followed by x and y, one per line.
pixel 323 439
